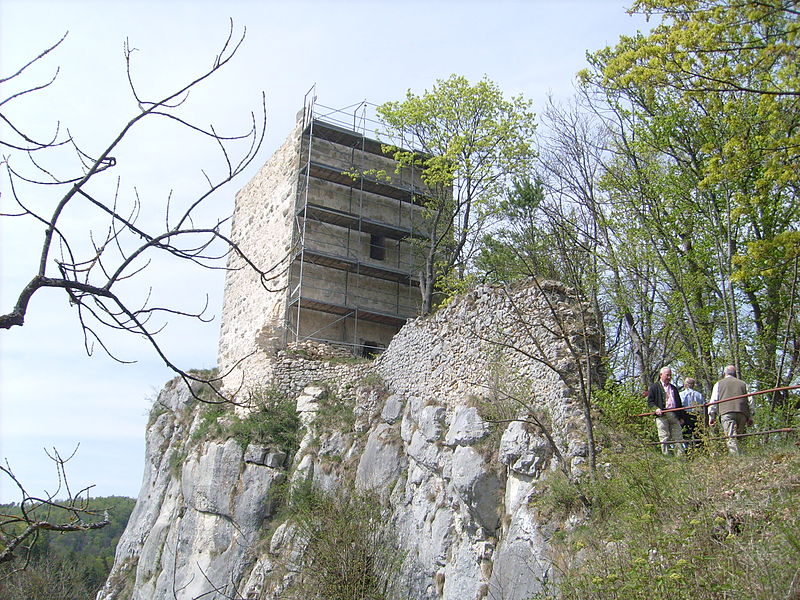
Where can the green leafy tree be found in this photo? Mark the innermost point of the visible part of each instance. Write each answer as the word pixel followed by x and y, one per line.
pixel 523 245
pixel 703 181
pixel 60 566
pixel 470 142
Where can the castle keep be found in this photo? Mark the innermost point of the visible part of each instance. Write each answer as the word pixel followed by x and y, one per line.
pixel 336 222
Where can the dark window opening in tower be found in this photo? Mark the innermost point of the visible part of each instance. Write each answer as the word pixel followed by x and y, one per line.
pixel 377 247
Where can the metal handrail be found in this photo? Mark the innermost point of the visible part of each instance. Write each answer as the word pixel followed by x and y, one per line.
pixel 769 391
pixel 726 437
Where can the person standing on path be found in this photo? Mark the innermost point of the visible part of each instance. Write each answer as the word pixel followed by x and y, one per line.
pixel 663 396
pixel 735 415
pixel 691 400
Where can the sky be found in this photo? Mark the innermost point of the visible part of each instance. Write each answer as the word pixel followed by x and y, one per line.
pixel 55 396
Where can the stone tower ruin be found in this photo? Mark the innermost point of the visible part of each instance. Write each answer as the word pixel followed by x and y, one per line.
pixel 336 225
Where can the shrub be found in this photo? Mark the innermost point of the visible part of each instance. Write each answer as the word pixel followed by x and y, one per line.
pixel 336 413
pixel 272 420
pixel 617 405
pixel 350 552
pixel 210 425
pixel 708 528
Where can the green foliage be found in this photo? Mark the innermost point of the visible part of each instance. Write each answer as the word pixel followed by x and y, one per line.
pixel 52 579
pixel 176 460
pixel 703 182
pixel 450 285
pixel 524 245
pixel 374 380
pixel 272 419
pixel 336 413
pixel 617 404
pixel 468 141
pixel 713 527
pixel 211 425
pixel 69 565
pixel 561 497
pixel 351 553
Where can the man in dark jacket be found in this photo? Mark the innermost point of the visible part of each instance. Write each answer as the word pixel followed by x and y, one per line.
pixel 661 397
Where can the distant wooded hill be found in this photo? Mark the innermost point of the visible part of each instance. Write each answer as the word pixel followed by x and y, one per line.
pixel 66 565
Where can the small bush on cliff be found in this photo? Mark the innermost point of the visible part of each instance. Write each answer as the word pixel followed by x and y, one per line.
pixel 336 412
pixel 211 425
pixel 272 420
pixel 350 552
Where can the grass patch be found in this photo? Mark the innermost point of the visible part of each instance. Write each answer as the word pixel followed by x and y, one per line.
pixel 176 460
pixel 660 528
pixel 272 421
pixel 336 413
pixel 211 425
pixel 373 380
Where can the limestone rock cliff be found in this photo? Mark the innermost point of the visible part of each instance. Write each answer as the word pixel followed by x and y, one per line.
pixel 453 484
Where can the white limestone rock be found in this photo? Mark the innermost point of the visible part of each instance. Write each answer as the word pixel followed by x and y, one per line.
pixel 524 453
pixel 392 409
pixel 477 485
pixel 382 460
pixel 466 427
pixel 205 507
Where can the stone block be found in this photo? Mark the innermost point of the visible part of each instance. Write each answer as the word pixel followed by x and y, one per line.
pixel 276 460
pixel 392 409
pixel 256 454
pixel 466 427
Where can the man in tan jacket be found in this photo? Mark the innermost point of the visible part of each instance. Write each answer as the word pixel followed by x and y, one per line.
pixel 735 415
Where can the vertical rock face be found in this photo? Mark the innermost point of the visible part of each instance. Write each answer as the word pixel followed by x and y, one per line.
pixel 455 489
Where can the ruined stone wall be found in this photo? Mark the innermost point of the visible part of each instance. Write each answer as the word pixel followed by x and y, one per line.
pixel 457 491
pixel 482 344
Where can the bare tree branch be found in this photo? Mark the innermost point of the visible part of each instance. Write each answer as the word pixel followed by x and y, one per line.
pixel 18 531
pixel 90 266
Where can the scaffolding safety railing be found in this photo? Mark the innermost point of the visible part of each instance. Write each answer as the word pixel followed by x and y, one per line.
pixel 346 228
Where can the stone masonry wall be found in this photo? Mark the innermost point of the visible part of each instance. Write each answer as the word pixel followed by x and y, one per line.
pixel 456 490
pixel 253 310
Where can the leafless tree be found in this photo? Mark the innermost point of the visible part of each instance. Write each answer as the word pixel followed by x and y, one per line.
pixel 94 268
pixel 19 529
pixel 582 341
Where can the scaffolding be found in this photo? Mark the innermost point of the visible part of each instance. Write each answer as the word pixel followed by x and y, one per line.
pixel 357 225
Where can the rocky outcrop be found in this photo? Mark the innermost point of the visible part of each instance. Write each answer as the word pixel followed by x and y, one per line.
pixel 455 489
